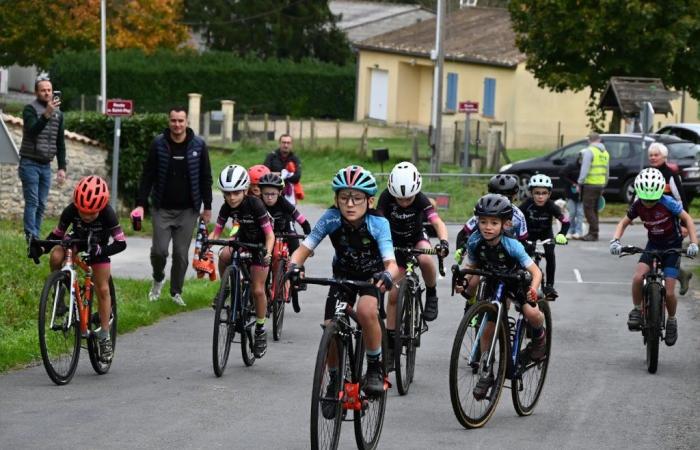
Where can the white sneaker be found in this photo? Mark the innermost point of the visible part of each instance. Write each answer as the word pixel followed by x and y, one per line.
pixel 575 236
pixel 177 298
pixel 154 293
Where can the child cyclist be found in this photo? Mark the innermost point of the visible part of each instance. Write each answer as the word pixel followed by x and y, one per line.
pixel 406 209
pixel 255 173
pixel 490 248
pixel 363 250
pixel 90 212
pixel 539 210
pixel 251 224
pixel 660 215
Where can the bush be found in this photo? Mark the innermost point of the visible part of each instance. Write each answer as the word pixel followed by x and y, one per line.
pixel 137 134
pixel 158 81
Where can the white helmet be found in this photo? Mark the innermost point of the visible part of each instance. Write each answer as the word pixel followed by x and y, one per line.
pixel 650 184
pixel 234 178
pixel 404 180
pixel 540 180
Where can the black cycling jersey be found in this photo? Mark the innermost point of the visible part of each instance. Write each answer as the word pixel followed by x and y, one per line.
pixel 249 220
pixel 539 219
pixel 406 223
pixel 283 213
pixel 106 225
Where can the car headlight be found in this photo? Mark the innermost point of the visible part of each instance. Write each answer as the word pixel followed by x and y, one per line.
pixel 506 167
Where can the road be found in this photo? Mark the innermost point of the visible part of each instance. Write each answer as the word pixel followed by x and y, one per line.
pixel 161 391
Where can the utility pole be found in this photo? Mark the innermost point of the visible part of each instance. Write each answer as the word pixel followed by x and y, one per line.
pixel 103 56
pixel 437 55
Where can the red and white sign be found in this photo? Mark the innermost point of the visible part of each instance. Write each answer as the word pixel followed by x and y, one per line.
pixel 118 107
pixel 469 107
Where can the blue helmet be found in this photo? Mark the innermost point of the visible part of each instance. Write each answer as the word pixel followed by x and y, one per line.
pixel 355 177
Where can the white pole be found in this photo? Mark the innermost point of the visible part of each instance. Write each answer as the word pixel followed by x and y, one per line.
pixel 103 56
pixel 438 56
pixel 115 161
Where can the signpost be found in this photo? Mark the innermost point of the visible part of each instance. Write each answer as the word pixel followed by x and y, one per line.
pixel 646 118
pixel 117 108
pixel 467 107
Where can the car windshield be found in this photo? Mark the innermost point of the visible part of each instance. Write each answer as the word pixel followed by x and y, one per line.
pixel 683 150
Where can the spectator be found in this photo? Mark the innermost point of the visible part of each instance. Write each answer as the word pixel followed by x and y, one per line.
pixel 286 164
pixel 177 176
pixel 595 170
pixel 42 139
pixel 572 194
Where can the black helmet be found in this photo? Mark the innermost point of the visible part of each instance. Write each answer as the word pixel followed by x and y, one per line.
pixel 271 180
pixel 494 205
pixel 504 184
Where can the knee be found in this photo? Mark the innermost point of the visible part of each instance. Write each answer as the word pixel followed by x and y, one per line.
pixel 258 291
pixel 637 278
pixel 366 311
pixel 103 292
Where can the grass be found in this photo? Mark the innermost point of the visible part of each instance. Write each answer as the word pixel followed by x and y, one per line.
pixel 20 290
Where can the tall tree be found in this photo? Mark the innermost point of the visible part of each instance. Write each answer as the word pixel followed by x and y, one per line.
pixel 293 29
pixel 576 45
pixel 32 32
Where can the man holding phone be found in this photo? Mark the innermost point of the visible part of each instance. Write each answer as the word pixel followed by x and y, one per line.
pixel 42 140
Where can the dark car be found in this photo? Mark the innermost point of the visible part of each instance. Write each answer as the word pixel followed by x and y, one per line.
pixel 626 157
pixel 686 131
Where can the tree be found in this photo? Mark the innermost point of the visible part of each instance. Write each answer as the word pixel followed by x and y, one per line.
pixel 32 32
pixel 573 45
pixel 286 29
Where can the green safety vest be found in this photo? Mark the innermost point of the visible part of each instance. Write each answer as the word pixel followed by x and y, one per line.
pixel 597 174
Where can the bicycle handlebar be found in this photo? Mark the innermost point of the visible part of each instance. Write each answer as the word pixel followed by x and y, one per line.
pixel 458 275
pixel 344 283
pixel 229 243
pixel 424 251
pixel 286 235
pixel 65 243
pixel 633 250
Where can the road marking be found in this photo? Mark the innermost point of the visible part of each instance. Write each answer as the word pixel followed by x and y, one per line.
pixel 593 282
pixel 578 276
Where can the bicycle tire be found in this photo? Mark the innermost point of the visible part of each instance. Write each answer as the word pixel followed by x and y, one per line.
pixel 653 325
pixel 325 431
pixel 281 293
pixel 404 337
pixel 246 326
pixel 463 376
pixel 224 330
pixel 529 377
pixel 370 420
pixel 60 345
pixel 99 366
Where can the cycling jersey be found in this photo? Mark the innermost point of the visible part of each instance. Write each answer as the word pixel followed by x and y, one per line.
pixel 508 255
pixel 250 219
pixel 661 220
pixel 359 252
pixel 284 212
pixel 518 228
pixel 539 219
pixel 406 223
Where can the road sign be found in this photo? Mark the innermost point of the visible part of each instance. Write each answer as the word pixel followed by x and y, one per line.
pixel 119 107
pixel 469 107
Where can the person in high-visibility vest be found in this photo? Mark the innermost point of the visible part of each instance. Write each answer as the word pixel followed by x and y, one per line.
pixel 592 179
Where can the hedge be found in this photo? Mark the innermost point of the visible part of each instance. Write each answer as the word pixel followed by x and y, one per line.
pixel 158 81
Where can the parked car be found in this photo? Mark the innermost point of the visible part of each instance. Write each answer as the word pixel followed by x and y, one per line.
pixel 625 159
pixel 686 131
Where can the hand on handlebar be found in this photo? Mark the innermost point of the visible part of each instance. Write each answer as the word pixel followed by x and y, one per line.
pixel 561 239
pixel 615 247
pixel 384 281
pixel 443 248
pixel 692 250
pixel 459 255
pixel 532 294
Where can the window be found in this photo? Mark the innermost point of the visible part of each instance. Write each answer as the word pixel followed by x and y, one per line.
pixel 489 97
pixel 571 152
pixel 451 99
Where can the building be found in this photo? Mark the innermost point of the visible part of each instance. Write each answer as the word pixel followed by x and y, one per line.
pixel 483 64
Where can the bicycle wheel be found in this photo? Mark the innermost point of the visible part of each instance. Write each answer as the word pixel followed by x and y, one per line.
pixel 468 362
pixel 59 337
pixel 404 341
pixel 528 377
pixel 224 330
pixel 246 324
pixel 98 365
pixel 653 325
pixel 281 295
pixel 326 408
pixel 370 419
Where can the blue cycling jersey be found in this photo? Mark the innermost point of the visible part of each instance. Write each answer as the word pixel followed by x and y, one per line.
pixel 509 254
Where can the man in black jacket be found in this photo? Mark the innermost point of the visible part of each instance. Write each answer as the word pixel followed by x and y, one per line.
pixel 286 164
pixel 177 176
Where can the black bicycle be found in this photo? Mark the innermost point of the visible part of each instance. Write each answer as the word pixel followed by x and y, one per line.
pixel 505 355
pixel 538 254
pixel 654 302
pixel 410 324
pixel 337 386
pixel 234 311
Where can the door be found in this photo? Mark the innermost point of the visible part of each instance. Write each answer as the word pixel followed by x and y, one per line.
pixel 378 94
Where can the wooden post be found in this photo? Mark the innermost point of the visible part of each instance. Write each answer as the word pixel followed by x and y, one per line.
pixel 301 133
pixel 228 108
pixel 266 118
pixel 337 134
pixel 207 124
pixel 455 145
pixel 246 127
pixel 558 132
pixel 415 156
pixel 363 140
pixel 82 106
pixel 287 129
pixel 313 133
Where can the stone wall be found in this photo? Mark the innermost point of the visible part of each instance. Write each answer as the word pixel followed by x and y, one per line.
pixel 84 156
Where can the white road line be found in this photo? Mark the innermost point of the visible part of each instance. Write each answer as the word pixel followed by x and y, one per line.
pixel 594 282
pixel 578 276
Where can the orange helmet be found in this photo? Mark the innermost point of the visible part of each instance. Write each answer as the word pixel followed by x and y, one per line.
pixel 256 172
pixel 91 194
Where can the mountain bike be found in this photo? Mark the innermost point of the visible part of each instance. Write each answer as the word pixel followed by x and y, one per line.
pixel 278 290
pixel 65 313
pixel 410 324
pixel 338 376
pixel 506 356
pixel 234 311
pixel 653 302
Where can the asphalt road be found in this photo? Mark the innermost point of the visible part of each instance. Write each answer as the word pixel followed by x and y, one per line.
pixel 162 393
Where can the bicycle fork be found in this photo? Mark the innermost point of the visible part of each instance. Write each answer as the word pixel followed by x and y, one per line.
pixel 485 367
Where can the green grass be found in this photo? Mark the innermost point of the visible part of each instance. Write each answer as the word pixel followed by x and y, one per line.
pixel 20 290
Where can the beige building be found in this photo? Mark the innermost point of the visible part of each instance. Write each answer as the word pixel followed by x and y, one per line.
pixel 482 64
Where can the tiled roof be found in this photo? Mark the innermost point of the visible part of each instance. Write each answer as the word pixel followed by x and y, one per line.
pixel 475 34
pixel 12 120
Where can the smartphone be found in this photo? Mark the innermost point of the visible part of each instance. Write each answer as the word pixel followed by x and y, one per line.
pixel 56 96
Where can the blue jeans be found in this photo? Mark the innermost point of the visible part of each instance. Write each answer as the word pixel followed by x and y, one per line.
pixel 36 182
pixel 575 216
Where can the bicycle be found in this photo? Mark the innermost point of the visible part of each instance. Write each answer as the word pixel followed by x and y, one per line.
pixel 409 317
pixel 537 256
pixel 234 311
pixel 653 303
pixel 278 292
pixel 506 358
pixel 342 348
pixel 62 325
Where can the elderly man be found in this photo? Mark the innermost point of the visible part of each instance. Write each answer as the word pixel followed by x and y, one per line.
pixel 592 179
pixel 287 165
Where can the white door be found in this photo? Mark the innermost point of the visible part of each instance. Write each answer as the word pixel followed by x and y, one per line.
pixel 378 94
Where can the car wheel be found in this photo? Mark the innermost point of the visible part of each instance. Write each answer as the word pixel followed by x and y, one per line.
pixel 627 193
